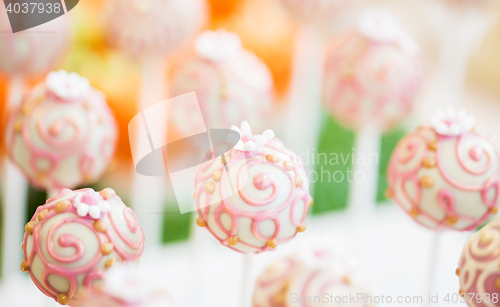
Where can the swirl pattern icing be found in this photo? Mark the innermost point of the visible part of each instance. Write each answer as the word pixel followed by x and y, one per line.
pixel 445 181
pixel 478 269
pixel 372 74
pixel 229 90
pixel 269 204
pixel 66 253
pixel 61 143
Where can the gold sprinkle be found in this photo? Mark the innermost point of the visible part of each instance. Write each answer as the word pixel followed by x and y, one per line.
pixel 22 246
pixel 429 162
pixel 233 240
pixel 432 145
pixel 40 176
pixel 216 175
pixel 414 212
pixel 451 220
pixel 427 182
pixel 107 193
pixel 298 181
pixel 18 126
pixel 62 205
pixel 29 227
pixel 389 193
pixel 24 266
pixel 301 228
pixel 494 210
pixel 42 214
pixel 110 262
pixel 457 271
pixel 100 226
pixel 63 299
pixel 497 283
pixel 346 280
pixel 485 238
pixel 461 291
pixel 271 243
pixel 311 203
pixel 272 158
pixel 107 248
pixel 288 165
pixel 210 187
pixel 200 222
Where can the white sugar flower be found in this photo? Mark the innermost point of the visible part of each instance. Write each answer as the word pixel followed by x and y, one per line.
pixel 249 142
pixel 68 86
pixel 90 203
pixel 452 122
pixel 218 46
pixel 379 25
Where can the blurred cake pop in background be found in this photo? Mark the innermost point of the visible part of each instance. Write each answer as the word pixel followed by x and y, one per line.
pixel 93 231
pixel 372 73
pixel 63 134
pixel 446 175
pixel 231 83
pixel 272 198
pixel 153 28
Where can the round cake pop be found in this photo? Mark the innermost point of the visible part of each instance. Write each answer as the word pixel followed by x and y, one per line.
pixel 446 175
pixel 256 196
pixel 478 269
pixel 74 237
pixel 230 83
pixel 372 74
pixel 145 28
pixel 28 52
pixel 63 134
pixel 296 281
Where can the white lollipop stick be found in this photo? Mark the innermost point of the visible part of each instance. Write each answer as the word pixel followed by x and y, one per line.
pixel 246 284
pixel 302 121
pixel 433 259
pixel 14 198
pixel 148 192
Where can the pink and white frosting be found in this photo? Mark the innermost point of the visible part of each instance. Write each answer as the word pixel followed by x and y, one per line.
pixel 372 73
pixel 478 269
pixel 153 28
pixel 231 83
pixel 256 202
pixel 249 142
pixel 446 177
pixel 63 134
pixel 67 254
pixel 34 51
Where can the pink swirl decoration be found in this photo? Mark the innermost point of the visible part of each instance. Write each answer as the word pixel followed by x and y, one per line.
pixel 64 265
pixel 261 181
pixel 475 162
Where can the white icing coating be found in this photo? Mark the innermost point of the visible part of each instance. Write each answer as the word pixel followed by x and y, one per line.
pixel 62 143
pixel 229 90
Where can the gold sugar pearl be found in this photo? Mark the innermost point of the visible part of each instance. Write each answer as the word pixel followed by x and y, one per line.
pixel 298 181
pixel 288 165
pixel 414 212
pixel 271 243
pixel 24 266
pixel 216 175
pixel 426 182
pixel 451 220
pixel 233 240
pixel 429 162
pixel 272 158
pixel 497 283
pixel 107 193
pixel 63 299
pixel 457 271
pixel 100 226
pixel 389 193
pixel 18 126
pixel 432 145
pixel 311 203
pixel 110 262
pixel 42 214
pixel 22 246
pixel 485 238
pixel 494 210
pixel 302 228
pixel 62 205
pixel 29 227
pixel 210 187
pixel 346 280
pixel 107 248
pixel 200 222
pixel 461 291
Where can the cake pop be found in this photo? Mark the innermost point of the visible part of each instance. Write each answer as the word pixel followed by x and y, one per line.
pixel 74 237
pixel 268 209
pixel 63 134
pixel 372 73
pixel 446 175
pixel 146 28
pixel 478 269
pixel 230 82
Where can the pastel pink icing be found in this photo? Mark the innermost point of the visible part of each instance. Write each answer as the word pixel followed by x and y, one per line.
pixel 126 246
